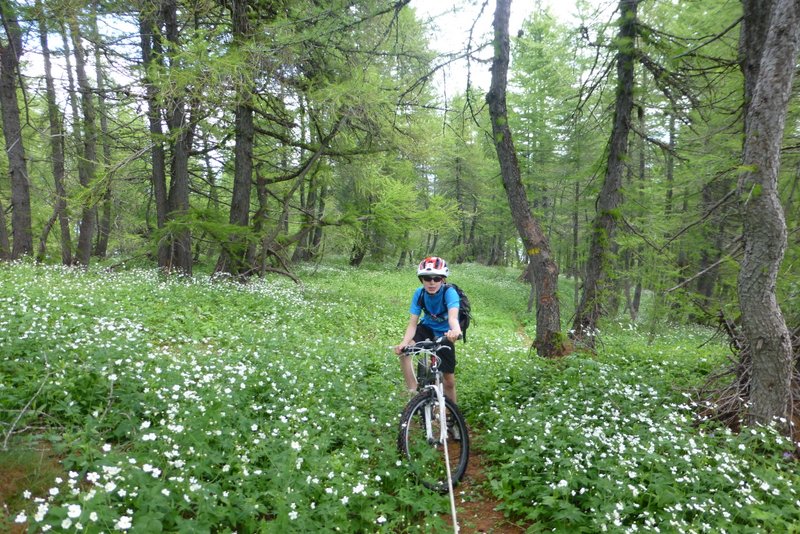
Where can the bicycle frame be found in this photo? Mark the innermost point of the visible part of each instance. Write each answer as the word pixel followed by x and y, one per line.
pixel 438 389
pixel 427 388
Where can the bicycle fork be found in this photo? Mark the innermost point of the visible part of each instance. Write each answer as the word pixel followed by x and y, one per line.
pixel 430 414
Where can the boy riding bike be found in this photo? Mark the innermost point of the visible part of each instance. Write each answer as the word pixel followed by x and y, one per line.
pixel 440 319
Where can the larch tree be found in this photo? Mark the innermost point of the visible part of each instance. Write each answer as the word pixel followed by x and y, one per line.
pixel 87 164
pixel 771 33
pixel 180 123
pixel 235 258
pixel 152 53
pixel 596 280
pixel 104 138
pixel 549 339
pixel 10 54
pixel 56 136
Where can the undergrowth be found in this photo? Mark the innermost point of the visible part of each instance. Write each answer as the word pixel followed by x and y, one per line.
pixel 199 405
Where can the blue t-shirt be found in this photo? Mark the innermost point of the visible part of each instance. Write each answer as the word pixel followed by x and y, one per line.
pixel 436 320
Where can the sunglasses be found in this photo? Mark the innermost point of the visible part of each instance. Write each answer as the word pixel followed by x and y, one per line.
pixel 432 278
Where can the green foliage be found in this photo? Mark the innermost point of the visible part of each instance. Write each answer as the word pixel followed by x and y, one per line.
pixel 183 403
pixel 612 444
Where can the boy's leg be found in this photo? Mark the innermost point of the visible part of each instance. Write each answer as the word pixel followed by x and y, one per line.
pixel 447 365
pixel 408 374
pixel 407 364
pixel 450 386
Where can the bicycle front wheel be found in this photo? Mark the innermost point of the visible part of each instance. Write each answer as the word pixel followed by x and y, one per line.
pixel 420 441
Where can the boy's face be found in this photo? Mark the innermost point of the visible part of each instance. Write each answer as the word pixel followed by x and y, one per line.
pixel 431 283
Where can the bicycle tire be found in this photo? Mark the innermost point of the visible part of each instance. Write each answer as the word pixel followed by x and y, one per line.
pixel 426 459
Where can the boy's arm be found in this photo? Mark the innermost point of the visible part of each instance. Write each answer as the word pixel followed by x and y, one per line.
pixel 411 329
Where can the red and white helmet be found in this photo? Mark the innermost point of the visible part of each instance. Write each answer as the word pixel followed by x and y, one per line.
pixel 433 265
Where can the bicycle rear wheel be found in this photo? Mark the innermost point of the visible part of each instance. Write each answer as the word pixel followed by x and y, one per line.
pixel 425 453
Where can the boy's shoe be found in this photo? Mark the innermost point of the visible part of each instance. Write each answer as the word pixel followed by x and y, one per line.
pixel 453 430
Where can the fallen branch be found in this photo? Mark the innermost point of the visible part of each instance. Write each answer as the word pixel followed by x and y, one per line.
pixel 22 412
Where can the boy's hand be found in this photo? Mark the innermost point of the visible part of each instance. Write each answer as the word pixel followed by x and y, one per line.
pixel 453 335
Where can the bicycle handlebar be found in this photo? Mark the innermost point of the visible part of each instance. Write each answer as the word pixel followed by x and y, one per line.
pixel 427 346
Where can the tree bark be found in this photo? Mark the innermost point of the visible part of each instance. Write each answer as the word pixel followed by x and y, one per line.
pixel 151 49
pixel 5 249
pixel 764 232
pixel 235 258
pixel 549 340
pixel 104 219
pixel 595 283
pixel 88 160
pixel 180 133
pixel 10 54
pixel 56 140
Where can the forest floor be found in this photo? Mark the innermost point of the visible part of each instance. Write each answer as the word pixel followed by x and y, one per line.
pixel 476 506
pixel 24 469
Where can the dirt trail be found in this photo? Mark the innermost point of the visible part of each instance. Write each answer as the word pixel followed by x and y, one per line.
pixel 475 505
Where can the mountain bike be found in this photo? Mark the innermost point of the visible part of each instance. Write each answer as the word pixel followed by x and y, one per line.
pixel 433 434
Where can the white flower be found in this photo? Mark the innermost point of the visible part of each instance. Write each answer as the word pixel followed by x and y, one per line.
pixel 93 516
pixel 106 447
pixel 53 491
pixel 65 524
pixel 345 499
pixel 293 515
pixel 21 518
pixel 74 511
pixel 295 446
pixel 165 492
pixel 40 512
pixel 124 523
pixel 381 520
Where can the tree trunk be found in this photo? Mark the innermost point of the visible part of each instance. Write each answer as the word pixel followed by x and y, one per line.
pixel 549 341
pixel 316 237
pixel 180 134
pixel 234 260
pixel 574 268
pixel 595 283
pixel 104 221
pixel 5 249
pixel 10 53
pixel 152 49
pixel 88 160
pixel 764 233
pixel 56 141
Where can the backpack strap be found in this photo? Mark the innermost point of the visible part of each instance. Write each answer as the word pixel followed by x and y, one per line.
pixel 421 300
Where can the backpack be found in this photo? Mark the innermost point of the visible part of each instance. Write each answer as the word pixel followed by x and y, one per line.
pixel 464 308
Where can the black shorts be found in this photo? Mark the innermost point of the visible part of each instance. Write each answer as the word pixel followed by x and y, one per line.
pixel 447 357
